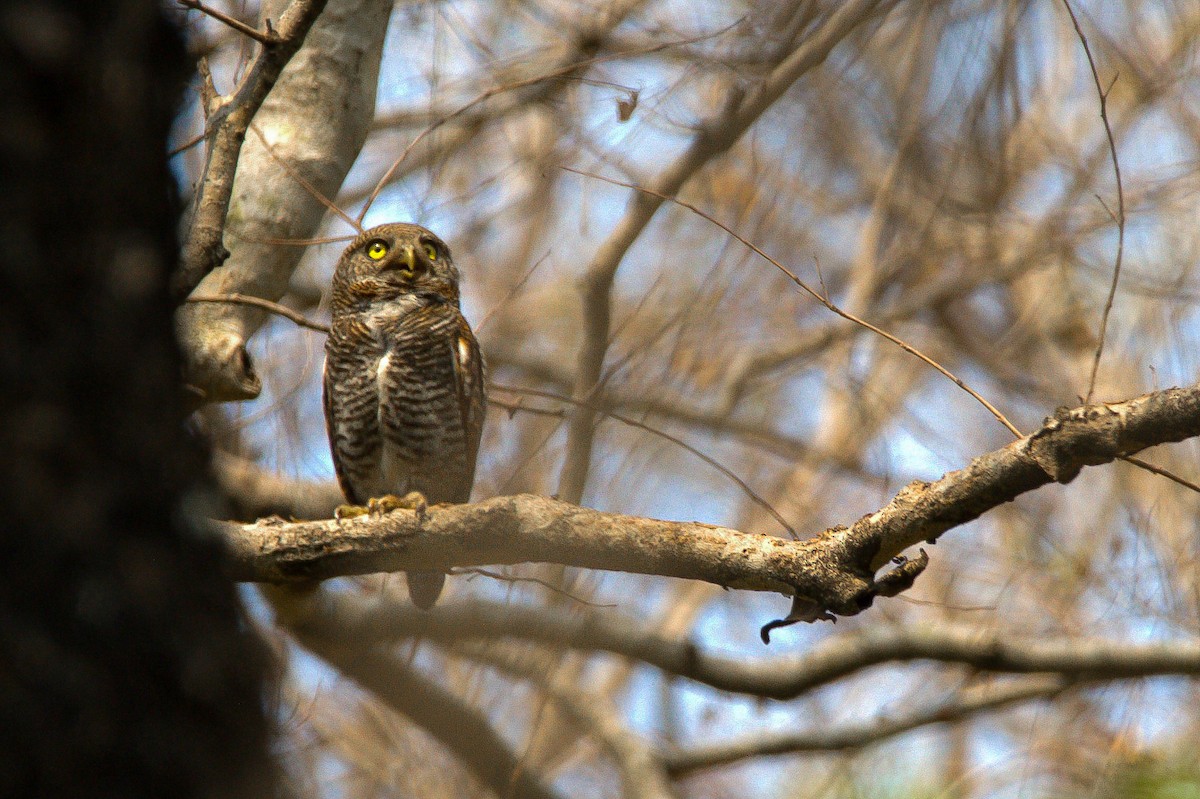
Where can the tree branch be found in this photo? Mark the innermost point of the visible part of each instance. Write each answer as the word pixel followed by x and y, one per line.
pixel 380 622
pixel 831 573
pixel 312 127
pixel 855 736
pixel 226 128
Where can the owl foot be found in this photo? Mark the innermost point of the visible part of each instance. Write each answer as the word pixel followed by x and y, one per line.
pixel 349 512
pixel 413 500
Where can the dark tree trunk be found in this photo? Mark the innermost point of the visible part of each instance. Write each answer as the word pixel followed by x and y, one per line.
pixel 124 667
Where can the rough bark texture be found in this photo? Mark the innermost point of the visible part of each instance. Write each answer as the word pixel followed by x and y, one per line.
pixel 831 573
pixel 125 669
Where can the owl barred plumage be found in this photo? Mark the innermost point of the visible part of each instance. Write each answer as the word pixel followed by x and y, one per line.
pixel 404 386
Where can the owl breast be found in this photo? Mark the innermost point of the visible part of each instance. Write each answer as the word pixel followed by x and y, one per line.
pixel 425 444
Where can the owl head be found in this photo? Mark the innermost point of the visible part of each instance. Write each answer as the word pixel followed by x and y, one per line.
pixel 393 260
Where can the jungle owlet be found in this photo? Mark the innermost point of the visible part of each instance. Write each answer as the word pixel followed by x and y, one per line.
pixel 404 386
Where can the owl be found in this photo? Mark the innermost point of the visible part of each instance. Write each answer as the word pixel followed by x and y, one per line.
pixel 404 378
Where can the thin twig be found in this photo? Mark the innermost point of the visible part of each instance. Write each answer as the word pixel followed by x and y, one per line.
pixel 286 242
pixel 187 145
pixel 911 350
pixel 266 305
pixel 308 186
pixel 1150 467
pixel 511 293
pixel 268 38
pixel 750 492
pixel 507 578
pixel 1120 217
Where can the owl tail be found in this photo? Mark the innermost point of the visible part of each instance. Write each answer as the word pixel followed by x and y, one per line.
pixel 425 588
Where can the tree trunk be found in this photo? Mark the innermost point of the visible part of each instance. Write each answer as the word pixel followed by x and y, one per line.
pixel 125 668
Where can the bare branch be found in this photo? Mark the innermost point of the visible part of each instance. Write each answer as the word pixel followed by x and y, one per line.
pixel 1120 215
pixel 314 123
pixel 266 305
pixel 203 247
pixel 785 677
pixel 642 773
pixel 856 736
pixel 821 297
pixel 255 493
pixel 833 572
pixel 269 38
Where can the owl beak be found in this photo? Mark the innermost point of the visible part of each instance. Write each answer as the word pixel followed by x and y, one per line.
pixel 405 261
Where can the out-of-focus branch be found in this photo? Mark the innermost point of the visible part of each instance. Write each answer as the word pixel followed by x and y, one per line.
pixel 266 305
pixel 831 573
pixel 226 125
pixel 269 37
pixel 855 736
pixel 642 773
pixel 775 678
pixel 459 726
pixel 312 125
pixel 255 493
pixel 818 296
pixel 714 137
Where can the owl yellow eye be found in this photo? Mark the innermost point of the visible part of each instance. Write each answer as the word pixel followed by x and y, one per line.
pixel 376 250
pixel 430 251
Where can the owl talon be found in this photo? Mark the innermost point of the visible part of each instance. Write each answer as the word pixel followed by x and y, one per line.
pixel 413 500
pixel 349 512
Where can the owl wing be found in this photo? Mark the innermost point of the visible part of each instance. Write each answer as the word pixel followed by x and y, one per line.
pixel 350 398
pixel 469 376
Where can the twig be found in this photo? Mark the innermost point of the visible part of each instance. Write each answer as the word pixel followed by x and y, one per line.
pixel 268 38
pixel 187 145
pixel 813 293
pixel 749 492
pixel 307 184
pixel 487 317
pixel 266 305
pixel 508 578
pixel 1150 467
pixel 1120 217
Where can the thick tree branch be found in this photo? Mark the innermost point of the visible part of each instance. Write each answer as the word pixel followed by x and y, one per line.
pixel 831 573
